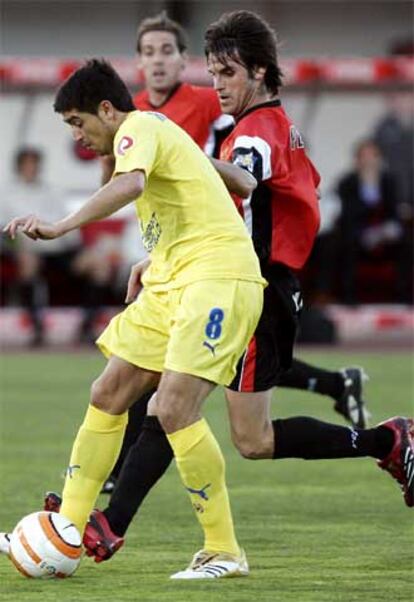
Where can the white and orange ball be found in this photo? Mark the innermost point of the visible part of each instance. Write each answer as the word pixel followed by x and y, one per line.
pixel 45 545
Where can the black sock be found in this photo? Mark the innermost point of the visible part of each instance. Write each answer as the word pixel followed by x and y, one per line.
pixel 146 461
pixel 310 439
pixel 307 377
pixel 136 416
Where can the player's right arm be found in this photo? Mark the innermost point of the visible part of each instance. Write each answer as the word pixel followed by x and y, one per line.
pixel 122 190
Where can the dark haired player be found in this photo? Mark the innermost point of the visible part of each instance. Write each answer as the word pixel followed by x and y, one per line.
pixel 162 48
pixel 189 294
pixel 162 55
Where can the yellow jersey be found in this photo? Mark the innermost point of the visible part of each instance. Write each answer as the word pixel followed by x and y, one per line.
pixel 189 223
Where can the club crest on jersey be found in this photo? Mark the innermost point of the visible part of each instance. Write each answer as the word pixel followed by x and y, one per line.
pixel 124 145
pixel 151 233
pixel 245 161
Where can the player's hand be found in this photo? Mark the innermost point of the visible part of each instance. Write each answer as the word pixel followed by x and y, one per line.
pixel 134 281
pixel 33 228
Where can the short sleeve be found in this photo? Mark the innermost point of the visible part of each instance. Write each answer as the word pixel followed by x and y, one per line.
pixel 136 146
pixel 253 153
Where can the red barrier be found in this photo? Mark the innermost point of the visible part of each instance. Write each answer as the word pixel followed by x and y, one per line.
pixel 365 72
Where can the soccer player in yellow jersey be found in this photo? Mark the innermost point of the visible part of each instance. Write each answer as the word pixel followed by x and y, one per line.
pixel 200 303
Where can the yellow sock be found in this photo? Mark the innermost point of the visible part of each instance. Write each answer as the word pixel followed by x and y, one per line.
pixel 94 454
pixel 202 469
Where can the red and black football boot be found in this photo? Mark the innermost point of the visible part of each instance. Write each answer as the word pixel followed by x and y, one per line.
pixel 99 539
pixel 400 461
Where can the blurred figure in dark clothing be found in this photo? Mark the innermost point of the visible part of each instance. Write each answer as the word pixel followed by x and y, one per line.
pixel 394 135
pixel 370 229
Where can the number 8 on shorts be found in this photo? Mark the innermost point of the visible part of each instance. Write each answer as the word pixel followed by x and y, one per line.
pixel 213 326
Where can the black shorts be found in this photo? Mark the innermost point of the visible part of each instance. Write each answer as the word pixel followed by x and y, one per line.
pixel 270 351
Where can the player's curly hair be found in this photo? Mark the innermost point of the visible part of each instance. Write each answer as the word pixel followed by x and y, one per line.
pixel 92 83
pixel 246 38
pixel 162 22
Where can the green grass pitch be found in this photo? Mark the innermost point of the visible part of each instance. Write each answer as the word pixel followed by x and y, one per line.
pixel 334 531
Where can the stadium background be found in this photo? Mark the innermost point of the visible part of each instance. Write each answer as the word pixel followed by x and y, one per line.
pixel 326 531
pixel 339 78
pixel 331 117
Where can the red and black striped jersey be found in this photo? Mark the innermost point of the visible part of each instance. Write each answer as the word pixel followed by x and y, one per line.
pixel 282 214
pixel 194 108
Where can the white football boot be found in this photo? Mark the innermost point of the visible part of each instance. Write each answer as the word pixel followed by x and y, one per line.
pixel 214 565
pixel 4 543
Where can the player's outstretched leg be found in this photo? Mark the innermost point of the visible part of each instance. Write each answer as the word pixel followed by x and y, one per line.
pixel 99 439
pixel 345 387
pixel 94 452
pixel 256 436
pixel 391 443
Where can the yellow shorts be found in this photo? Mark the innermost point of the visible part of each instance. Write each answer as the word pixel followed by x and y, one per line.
pixel 201 329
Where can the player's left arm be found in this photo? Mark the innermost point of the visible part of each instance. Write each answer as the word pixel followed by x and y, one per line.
pixel 237 180
pixel 122 190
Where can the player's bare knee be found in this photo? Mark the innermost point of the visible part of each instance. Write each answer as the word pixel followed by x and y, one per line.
pixel 103 394
pixel 168 418
pixel 249 447
pixel 172 410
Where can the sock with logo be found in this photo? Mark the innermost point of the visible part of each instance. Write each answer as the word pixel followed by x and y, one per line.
pixel 310 439
pixel 94 453
pixel 146 461
pixel 202 470
pixel 307 377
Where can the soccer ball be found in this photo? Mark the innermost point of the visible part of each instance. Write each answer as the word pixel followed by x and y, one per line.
pixel 45 545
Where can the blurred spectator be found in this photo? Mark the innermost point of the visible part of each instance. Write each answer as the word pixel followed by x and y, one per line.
pixel 394 135
pixel 40 266
pixel 27 193
pixel 370 230
pixel 101 264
